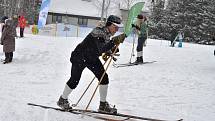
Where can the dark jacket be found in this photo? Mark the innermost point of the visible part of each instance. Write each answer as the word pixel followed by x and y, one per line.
pixel 8 37
pixel 96 42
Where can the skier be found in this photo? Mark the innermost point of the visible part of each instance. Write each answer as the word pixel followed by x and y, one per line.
pixel 141 28
pixel 86 54
pixel 180 38
pixel 173 36
pixel 8 40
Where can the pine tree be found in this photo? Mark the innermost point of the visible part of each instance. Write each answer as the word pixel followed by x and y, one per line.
pixel 157 19
pixel 196 18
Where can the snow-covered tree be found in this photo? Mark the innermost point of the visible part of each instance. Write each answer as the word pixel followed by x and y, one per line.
pixel 109 7
pixel 157 20
pixel 196 18
pixel 28 8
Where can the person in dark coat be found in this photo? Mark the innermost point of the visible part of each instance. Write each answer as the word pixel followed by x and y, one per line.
pixel 86 54
pixel 173 33
pixel 8 41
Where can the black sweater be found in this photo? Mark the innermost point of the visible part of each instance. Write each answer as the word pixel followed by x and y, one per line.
pixel 96 42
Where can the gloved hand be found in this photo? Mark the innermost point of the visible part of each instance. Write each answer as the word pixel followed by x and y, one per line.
pixel 106 56
pixel 119 39
pixel 133 25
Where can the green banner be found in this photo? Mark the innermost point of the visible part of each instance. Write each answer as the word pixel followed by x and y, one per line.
pixel 133 12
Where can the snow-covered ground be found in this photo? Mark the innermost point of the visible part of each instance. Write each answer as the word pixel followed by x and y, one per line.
pixel 181 84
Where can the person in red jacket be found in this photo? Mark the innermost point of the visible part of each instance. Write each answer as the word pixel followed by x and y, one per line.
pixel 22 24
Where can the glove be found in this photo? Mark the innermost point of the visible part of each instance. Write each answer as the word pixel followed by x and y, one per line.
pixel 105 56
pixel 135 26
pixel 119 39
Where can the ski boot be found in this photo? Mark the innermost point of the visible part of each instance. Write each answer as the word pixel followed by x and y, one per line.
pixel 139 60
pixel 64 103
pixel 105 107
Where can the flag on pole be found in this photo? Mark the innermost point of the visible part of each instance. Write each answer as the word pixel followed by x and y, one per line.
pixel 133 12
pixel 43 13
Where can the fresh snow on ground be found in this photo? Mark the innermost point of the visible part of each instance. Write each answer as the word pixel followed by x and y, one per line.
pixel 181 84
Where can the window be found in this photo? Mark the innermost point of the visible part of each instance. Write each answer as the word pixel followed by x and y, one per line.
pixel 82 21
pixel 57 18
pixel 87 0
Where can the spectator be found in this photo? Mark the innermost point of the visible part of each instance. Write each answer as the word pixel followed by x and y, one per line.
pixel 22 24
pixel 8 41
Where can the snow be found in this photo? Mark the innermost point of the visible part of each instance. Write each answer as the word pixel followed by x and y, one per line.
pixel 179 85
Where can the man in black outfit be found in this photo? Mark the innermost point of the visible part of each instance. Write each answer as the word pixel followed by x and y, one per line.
pixel 86 54
pixel 173 33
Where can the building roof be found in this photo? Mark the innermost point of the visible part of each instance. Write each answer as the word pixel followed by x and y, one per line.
pixel 76 7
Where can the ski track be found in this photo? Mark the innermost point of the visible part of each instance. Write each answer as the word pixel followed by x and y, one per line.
pixel 179 85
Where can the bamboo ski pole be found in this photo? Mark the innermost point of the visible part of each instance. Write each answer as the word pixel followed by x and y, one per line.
pixel 74 105
pixel 132 53
pixel 101 77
